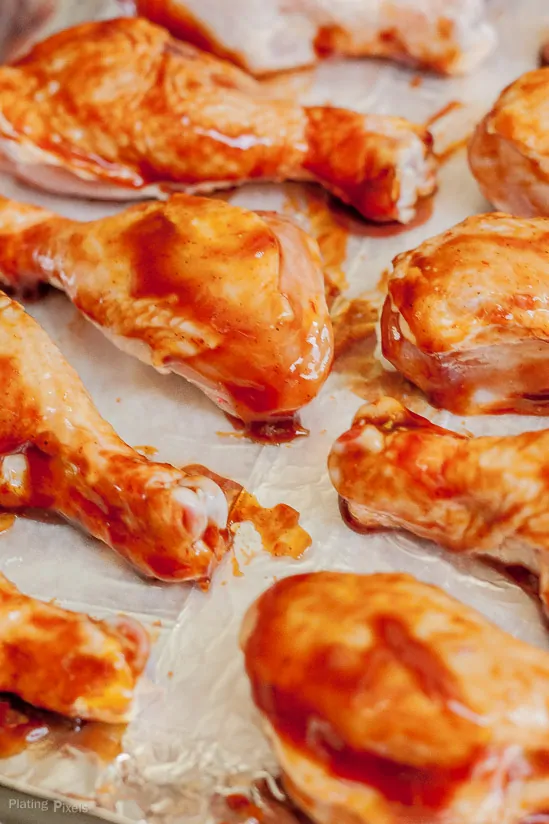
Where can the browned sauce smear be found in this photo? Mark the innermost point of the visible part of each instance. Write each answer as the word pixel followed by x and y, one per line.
pixel 332 223
pixel 237 808
pixel 355 225
pixel 25 727
pixel 354 321
pixel 267 432
pixel 264 808
pixel 544 55
pixel 330 234
pixel 332 238
pixel 453 105
pixel 451 150
pixel 7 520
pixel 367 378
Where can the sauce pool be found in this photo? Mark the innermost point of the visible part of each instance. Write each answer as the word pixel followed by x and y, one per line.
pixel 24 727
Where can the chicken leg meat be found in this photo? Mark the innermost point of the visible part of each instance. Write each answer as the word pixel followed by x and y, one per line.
pixel 448 36
pixel 466 316
pixel 67 662
pixel 232 300
pixel 486 496
pixel 118 109
pixel 386 701
pixel 59 454
pixel 509 151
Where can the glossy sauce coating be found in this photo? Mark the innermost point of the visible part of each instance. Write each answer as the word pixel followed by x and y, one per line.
pixel 388 701
pixel 230 299
pixel 509 150
pixel 465 318
pixel 117 108
pixel 67 662
pixel 181 23
pixel 485 496
pixel 58 454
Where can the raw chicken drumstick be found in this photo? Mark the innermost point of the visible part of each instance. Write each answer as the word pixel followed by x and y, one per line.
pixel 466 317
pixel 68 662
pixel 448 36
pixel 232 300
pixel 386 701
pixel 486 496
pixel 59 454
pixel 509 151
pixel 117 109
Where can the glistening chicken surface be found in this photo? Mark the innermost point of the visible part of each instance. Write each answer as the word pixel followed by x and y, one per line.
pixel 387 701
pixel 67 662
pixel 58 453
pixel 229 299
pixel 486 496
pixel 466 318
pixel 509 150
pixel 117 109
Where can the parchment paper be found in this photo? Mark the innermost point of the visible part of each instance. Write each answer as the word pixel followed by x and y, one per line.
pixel 194 731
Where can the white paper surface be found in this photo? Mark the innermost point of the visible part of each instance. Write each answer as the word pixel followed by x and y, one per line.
pixel 195 727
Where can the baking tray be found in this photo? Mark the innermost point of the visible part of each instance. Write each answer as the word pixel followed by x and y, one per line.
pixel 194 737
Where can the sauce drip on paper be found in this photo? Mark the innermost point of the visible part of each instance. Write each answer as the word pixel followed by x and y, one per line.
pixel 332 238
pixel 267 432
pixel 350 220
pixel 355 321
pixel 277 526
pixel 23 727
pixel 452 149
pixel 452 106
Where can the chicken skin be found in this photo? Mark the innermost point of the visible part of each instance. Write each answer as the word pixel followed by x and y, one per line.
pixel 466 316
pixel 232 300
pixel 486 496
pixel 59 454
pixel 67 662
pixel 448 36
pixel 386 701
pixel 509 150
pixel 118 109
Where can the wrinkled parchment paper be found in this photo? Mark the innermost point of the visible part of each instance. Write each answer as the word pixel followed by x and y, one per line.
pixel 194 733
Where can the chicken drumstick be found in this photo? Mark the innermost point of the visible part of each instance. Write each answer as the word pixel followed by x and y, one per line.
pixel 59 454
pixel 466 316
pixel 486 496
pixel 67 662
pixel 386 701
pixel 231 300
pixel 447 36
pixel 117 109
